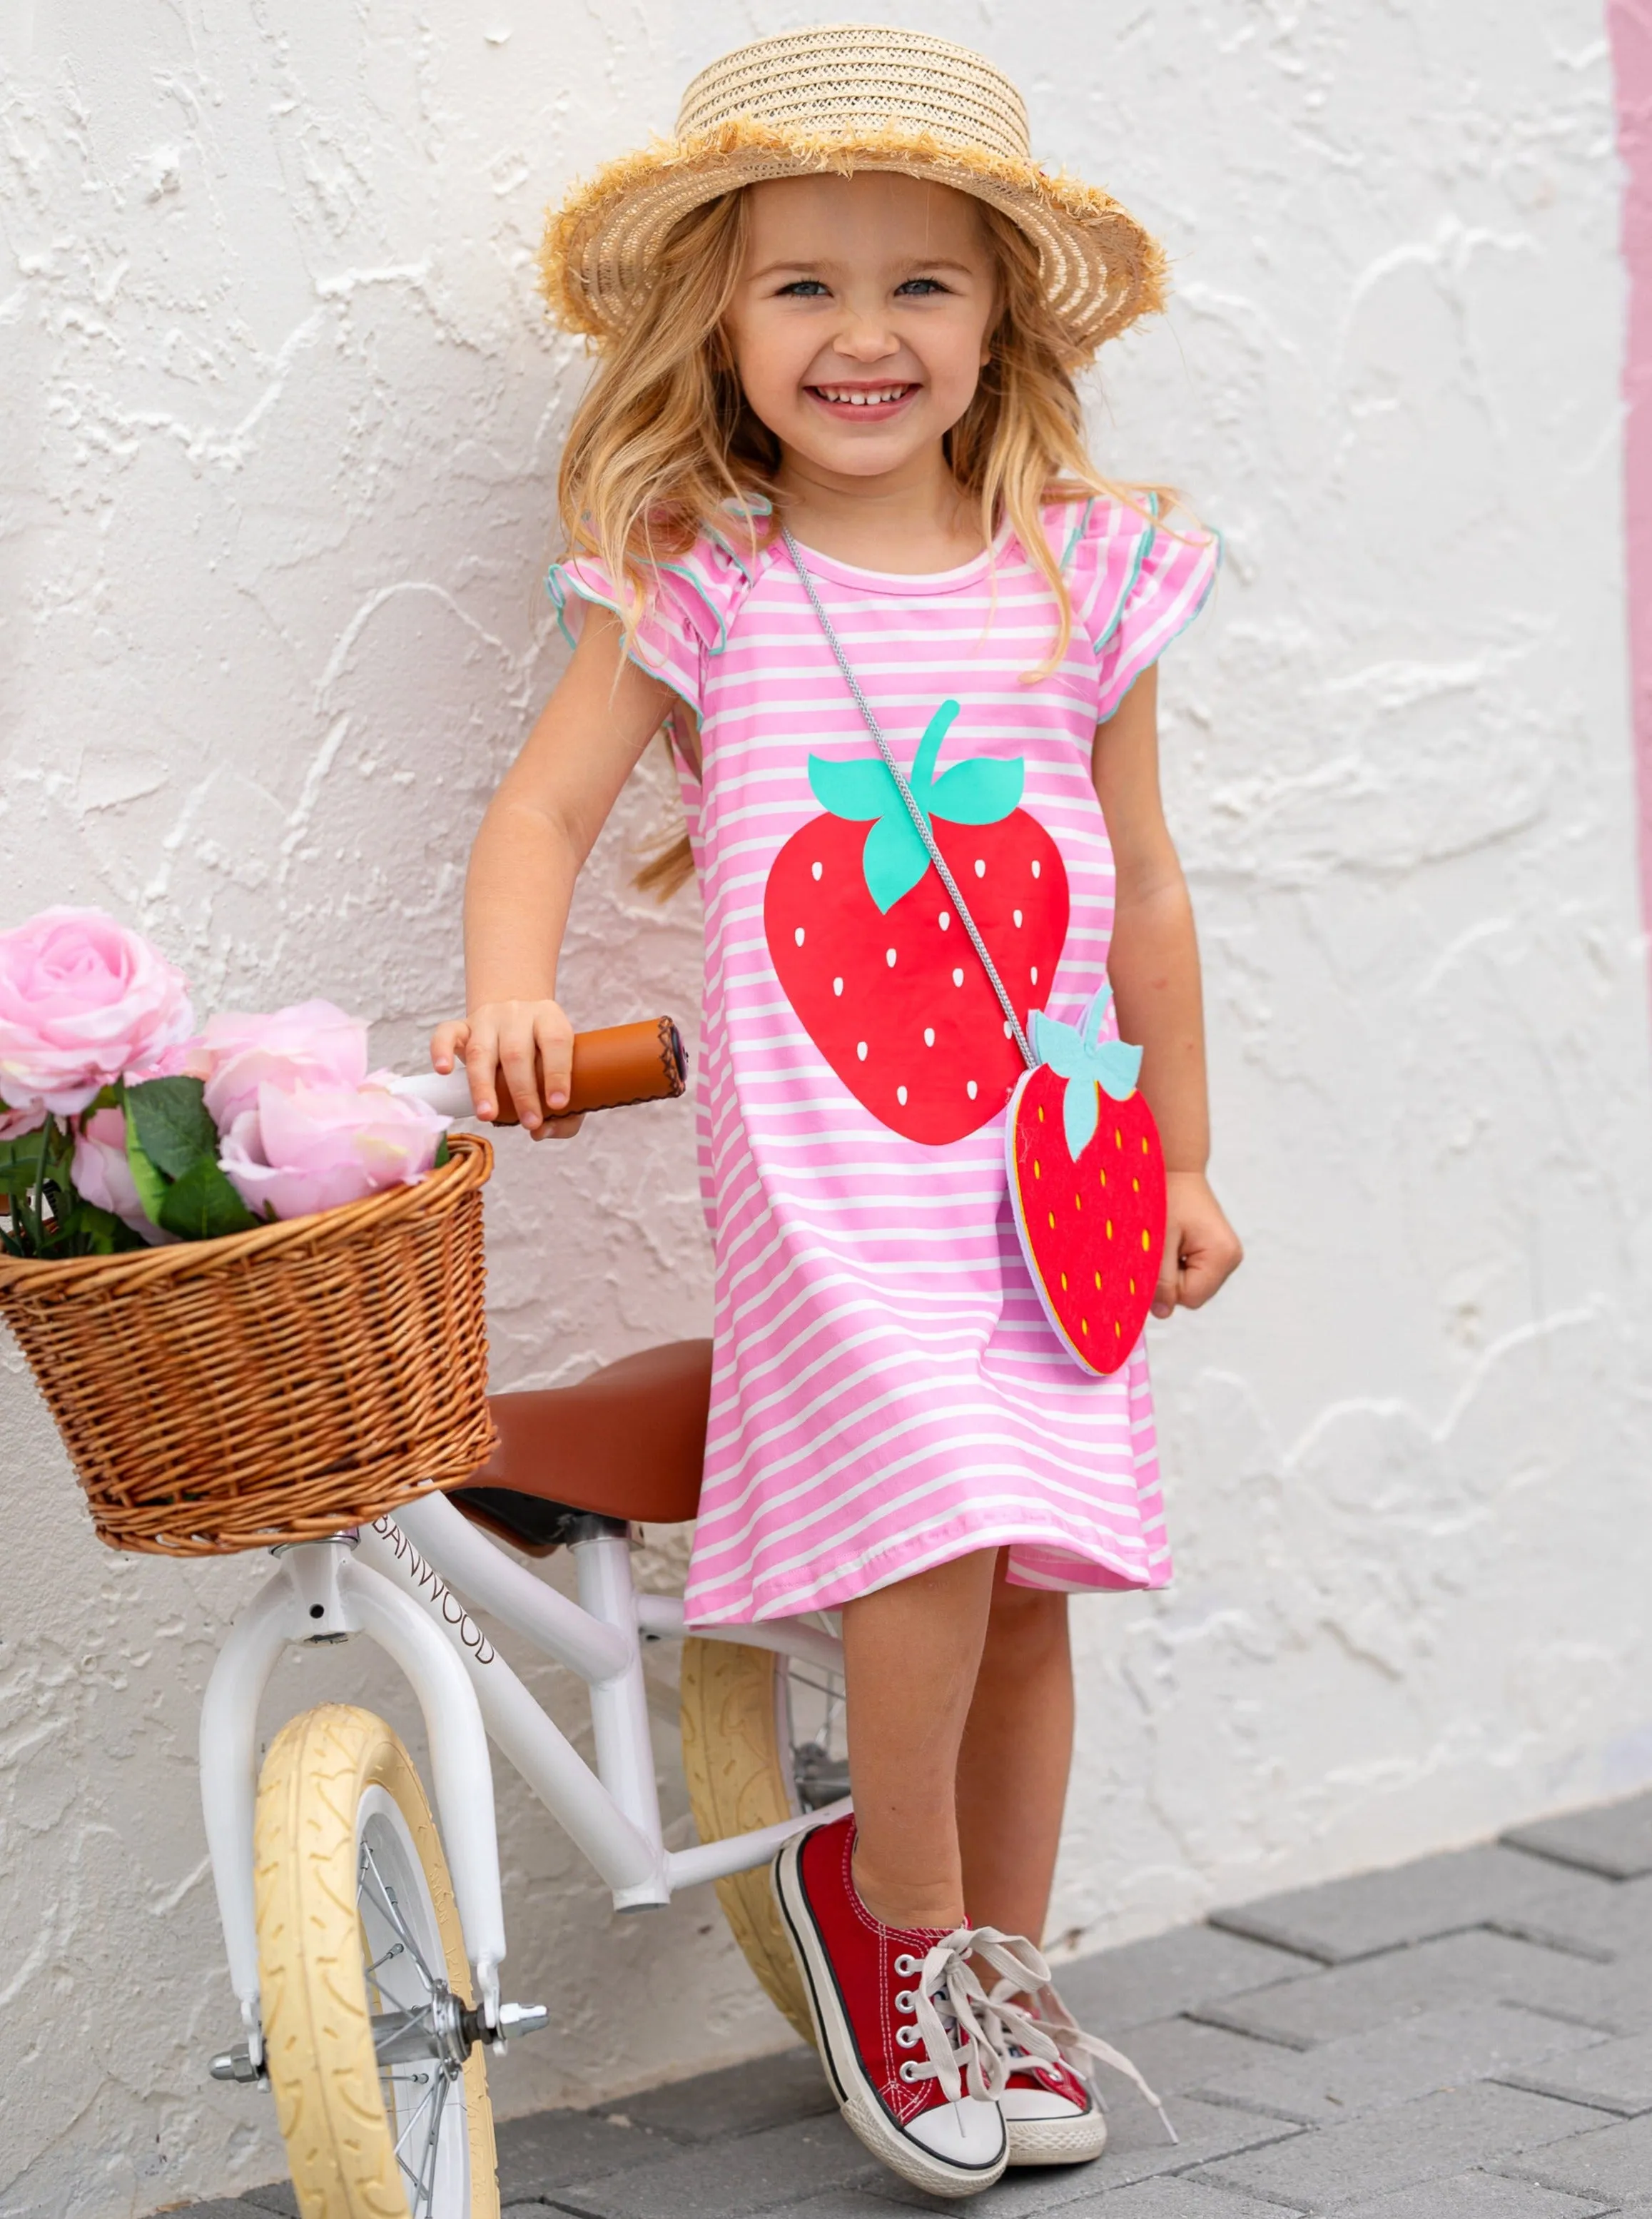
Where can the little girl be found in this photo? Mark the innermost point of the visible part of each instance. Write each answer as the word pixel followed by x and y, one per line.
pixel 829 477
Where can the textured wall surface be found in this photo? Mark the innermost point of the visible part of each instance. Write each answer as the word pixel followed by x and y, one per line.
pixel 283 419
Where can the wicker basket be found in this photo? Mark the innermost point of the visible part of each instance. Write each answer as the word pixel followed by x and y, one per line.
pixel 276 1385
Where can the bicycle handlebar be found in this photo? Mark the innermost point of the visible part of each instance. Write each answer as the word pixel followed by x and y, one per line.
pixel 612 1068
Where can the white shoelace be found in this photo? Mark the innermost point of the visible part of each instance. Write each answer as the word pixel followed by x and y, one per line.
pixel 964 2031
pixel 1050 2031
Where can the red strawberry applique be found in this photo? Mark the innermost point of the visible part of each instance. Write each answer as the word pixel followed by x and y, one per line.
pixel 1086 1182
pixel 879 969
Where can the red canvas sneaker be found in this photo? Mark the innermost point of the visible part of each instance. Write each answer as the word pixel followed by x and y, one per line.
pixel 1053 2110
pixel 899 2021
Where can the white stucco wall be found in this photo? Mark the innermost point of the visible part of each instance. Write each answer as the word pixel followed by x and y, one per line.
pixel 274 494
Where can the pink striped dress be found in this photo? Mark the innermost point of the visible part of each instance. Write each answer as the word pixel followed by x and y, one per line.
pixel 886 1393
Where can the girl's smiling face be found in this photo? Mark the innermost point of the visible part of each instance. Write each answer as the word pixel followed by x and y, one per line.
pixel 859 324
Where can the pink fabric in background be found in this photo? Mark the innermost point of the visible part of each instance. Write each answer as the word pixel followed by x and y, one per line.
pixel 1630 23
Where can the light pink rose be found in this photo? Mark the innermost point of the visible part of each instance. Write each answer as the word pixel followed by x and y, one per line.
pixel 13 1124
pixel 81 1000
pixel 304 1148
pixel 308 1044
pixel 103 1176
pixel 186 1058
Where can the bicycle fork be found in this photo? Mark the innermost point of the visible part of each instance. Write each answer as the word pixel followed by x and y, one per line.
pixel 319 1595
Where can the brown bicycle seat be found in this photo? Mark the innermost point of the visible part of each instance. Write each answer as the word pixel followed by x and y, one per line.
pixel 628 1442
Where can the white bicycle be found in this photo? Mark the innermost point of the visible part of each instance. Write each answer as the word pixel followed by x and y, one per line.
pixel 369 1980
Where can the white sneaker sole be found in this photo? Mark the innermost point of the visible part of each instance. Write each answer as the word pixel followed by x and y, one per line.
pixel 1058 2142
pixel 858 2101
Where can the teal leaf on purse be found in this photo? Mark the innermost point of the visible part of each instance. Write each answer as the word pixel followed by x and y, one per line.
pixel 1090 1065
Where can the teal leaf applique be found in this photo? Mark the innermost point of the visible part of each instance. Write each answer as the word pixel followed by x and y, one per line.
pixel 1090 1065
pixel 983 790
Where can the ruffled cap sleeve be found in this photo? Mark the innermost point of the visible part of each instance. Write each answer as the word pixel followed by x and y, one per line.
pixel 1136 582
pixel 689 606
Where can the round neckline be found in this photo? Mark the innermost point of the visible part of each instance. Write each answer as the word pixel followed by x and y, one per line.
pixel 895 581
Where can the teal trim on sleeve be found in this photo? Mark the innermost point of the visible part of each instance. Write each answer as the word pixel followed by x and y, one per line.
pixel 688 577
pixel 1215 540
pixel 560 577
pixel 1076 533
pixel 1144 541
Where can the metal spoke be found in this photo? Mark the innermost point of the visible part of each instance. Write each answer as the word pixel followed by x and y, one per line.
pixel 392 1911
pixel 419 2111
pixel 399 2025
pixel 424 2181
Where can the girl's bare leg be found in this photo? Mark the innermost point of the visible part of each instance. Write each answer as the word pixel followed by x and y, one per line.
pixel 1014 1759
pixel 911 1652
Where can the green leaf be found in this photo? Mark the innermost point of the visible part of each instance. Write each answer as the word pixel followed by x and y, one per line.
pixel 202 1204
pixel 174 1129
pixel 99 1233
pixel 443 1153
pixel 151 1187
pixel 16 1174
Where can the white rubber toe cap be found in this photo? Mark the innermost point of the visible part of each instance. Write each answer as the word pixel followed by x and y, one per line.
pixel 1027 2104
pixel 968 2132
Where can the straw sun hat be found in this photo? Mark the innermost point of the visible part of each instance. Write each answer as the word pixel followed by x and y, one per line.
pixel 841 97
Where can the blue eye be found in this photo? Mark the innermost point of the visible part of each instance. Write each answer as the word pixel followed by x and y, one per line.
pixel 920 286
pixel 801 289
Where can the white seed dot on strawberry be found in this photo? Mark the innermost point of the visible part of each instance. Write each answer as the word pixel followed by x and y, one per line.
pixel 889 957
pixel 958 978
pixel 814 869
pixel 928 1036
pixel 900 1095
pixel 1015 913
pixel 980 867
pixel 1035 974
pixel 1006 1028
pixel 860 1050
pixel 1037 867
pixel 838 985
pixel 970 1089
pixel 945 920
pixel 797 936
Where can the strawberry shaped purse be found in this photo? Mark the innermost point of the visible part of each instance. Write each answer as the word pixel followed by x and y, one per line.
pixel 1087 1184
pixel 1085 1167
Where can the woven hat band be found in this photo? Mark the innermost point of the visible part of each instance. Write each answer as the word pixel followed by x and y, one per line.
pixel 855 81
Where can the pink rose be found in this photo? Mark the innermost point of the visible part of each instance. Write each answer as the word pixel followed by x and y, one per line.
pixel 81 1000
pixel 103 1176
pixel 303 1148
pixel 13 1124
pixel 308 1044
pixel 186 1058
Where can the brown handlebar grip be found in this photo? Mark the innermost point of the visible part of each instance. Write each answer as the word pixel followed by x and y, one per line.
pixel 616 1067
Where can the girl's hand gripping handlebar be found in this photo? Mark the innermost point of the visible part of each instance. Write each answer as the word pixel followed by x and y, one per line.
pixel 615 1067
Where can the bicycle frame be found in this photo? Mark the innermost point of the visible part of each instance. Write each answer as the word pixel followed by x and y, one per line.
pixel 395 1583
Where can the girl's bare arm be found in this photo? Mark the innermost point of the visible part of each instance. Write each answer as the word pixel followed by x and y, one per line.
pixel 1154 968
pixel 540 826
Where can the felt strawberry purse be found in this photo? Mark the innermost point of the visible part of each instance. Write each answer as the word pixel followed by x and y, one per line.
pixel 1085 1167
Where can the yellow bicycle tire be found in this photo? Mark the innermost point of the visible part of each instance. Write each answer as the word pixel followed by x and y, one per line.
pixel 318 2033
pixel 738 1771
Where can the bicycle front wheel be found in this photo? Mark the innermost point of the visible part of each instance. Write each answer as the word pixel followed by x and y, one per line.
pixel 381 2093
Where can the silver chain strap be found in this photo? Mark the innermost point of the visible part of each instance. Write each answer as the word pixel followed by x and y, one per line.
pixel 920 821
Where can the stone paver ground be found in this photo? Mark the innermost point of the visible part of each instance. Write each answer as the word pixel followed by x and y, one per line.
pixel 1466 2037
